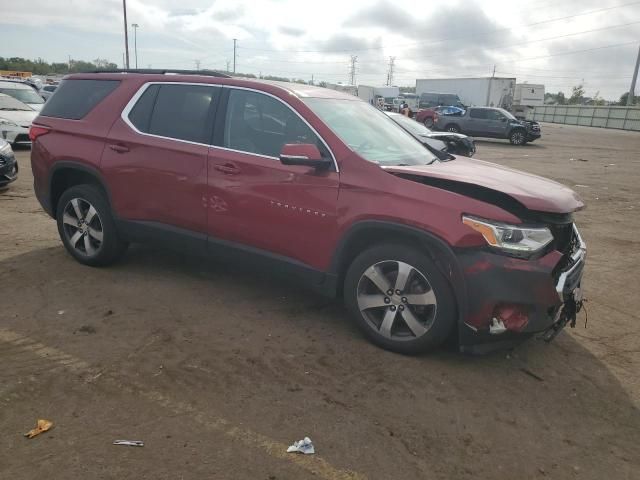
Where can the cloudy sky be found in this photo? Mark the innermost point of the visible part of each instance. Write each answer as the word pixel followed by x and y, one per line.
pixel 556 43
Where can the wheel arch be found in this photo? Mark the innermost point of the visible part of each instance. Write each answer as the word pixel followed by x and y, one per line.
pixel 66 174
pixel 368 233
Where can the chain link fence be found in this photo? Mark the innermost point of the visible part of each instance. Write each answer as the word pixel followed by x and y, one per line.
pixel 623 118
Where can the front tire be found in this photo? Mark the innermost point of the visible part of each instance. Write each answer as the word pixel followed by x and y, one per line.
pixel 518 137
pixel 399 299
pixel 87 228
pixel 428 122
pixel 453 128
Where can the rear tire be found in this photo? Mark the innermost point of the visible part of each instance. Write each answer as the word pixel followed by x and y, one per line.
pixel 428 122
pixel 453 128
pixel 87 228
pixel 399 299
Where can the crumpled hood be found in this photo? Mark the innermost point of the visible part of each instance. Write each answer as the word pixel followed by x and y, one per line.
pixel 534 192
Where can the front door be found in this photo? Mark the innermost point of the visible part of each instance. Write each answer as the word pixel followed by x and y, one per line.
pixel 255 200
pixel 155 158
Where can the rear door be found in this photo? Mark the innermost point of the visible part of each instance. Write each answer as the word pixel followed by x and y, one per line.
pixel 155 159
pixel 253 198
pixel 476 122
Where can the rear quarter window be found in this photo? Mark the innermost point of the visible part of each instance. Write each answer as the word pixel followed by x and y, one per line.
pixel 76 98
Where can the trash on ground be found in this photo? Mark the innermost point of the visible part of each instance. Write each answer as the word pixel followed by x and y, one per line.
pixel 129 443
pixel 60 312
pixel 41 427
pixel 302 446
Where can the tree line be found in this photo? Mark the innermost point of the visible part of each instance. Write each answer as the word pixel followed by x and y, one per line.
pixel 40 67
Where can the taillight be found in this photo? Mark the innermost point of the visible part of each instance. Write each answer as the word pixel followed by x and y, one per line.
pixel 36 131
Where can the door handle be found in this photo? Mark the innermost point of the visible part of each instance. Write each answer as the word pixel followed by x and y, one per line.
pixel 119 148
pixel 227 168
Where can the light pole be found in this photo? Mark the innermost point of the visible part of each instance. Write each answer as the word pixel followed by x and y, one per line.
pixel 126 35
pixel 135 41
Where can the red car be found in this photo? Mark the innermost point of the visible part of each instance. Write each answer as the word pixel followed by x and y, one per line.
pixel 430 116
pixel 316 185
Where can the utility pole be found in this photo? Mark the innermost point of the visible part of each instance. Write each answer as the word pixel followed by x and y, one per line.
pixel 312 79
pixel 489 87
pixel 632 90
pixel 69 62
pixel 228 63
pixel 392 61
pixel 135 41
pixel 197 64
pixel 352 69
pixel 235 47
pixel 126 35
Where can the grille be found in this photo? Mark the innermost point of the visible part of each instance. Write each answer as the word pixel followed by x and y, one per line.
pixel 566 242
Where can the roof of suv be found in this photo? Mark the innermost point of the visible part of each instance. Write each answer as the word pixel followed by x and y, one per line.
pixel 297 89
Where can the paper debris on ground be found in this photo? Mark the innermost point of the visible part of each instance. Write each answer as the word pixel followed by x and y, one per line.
pixel 302 446
pixel 129 443
pixel 41 427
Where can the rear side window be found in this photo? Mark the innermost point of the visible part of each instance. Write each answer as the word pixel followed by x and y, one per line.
pixel 478 113
pixel 76 98
pixel 177 111
pixel 140 114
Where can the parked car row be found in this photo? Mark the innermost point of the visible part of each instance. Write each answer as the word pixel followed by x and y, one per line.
pixel 316 184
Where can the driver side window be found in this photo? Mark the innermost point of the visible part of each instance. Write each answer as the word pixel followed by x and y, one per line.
pixel 258 123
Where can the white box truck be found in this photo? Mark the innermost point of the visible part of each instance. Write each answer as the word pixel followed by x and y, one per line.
pixel 479 92
pixel 374 94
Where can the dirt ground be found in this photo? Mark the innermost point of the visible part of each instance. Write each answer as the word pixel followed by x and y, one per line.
pixel 217 370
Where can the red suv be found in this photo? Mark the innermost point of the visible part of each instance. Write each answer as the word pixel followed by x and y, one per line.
pixel 320 184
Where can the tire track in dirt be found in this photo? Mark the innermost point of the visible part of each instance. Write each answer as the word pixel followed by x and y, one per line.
pixel 253 440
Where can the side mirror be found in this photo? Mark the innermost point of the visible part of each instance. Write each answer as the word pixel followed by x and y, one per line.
pixel 306 154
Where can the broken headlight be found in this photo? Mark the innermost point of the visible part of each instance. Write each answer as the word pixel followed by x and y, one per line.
pixel 514 239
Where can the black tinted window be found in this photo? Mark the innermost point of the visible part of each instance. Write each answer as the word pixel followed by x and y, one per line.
pixel 477 113
pixel 75 98
pixel 257 123
pixel 140 114
pixel 182 111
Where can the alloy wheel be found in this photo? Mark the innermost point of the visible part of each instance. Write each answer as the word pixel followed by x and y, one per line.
pixel 82 227
pixel 396 300
pixel 517 138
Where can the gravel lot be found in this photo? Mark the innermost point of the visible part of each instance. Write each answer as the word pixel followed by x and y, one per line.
pixel 217 370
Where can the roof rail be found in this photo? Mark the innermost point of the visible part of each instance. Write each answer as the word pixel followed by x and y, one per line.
pixel 151 71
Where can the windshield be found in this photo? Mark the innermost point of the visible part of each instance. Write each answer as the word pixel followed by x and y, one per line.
pixel 369 132
pixel 26 95
pixel 8 103
pixel 411 125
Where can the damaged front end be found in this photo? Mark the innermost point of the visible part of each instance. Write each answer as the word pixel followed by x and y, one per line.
pixel 511 299
pixel 518 279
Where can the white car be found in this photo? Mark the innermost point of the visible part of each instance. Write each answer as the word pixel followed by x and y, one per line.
pixel 15 120
pixel 23 92
pixel 47 91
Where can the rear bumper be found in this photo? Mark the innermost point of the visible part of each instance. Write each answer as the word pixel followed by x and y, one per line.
pixel 510 300
pixel 15 135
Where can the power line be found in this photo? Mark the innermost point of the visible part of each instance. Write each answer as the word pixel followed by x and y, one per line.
pixel 446 39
